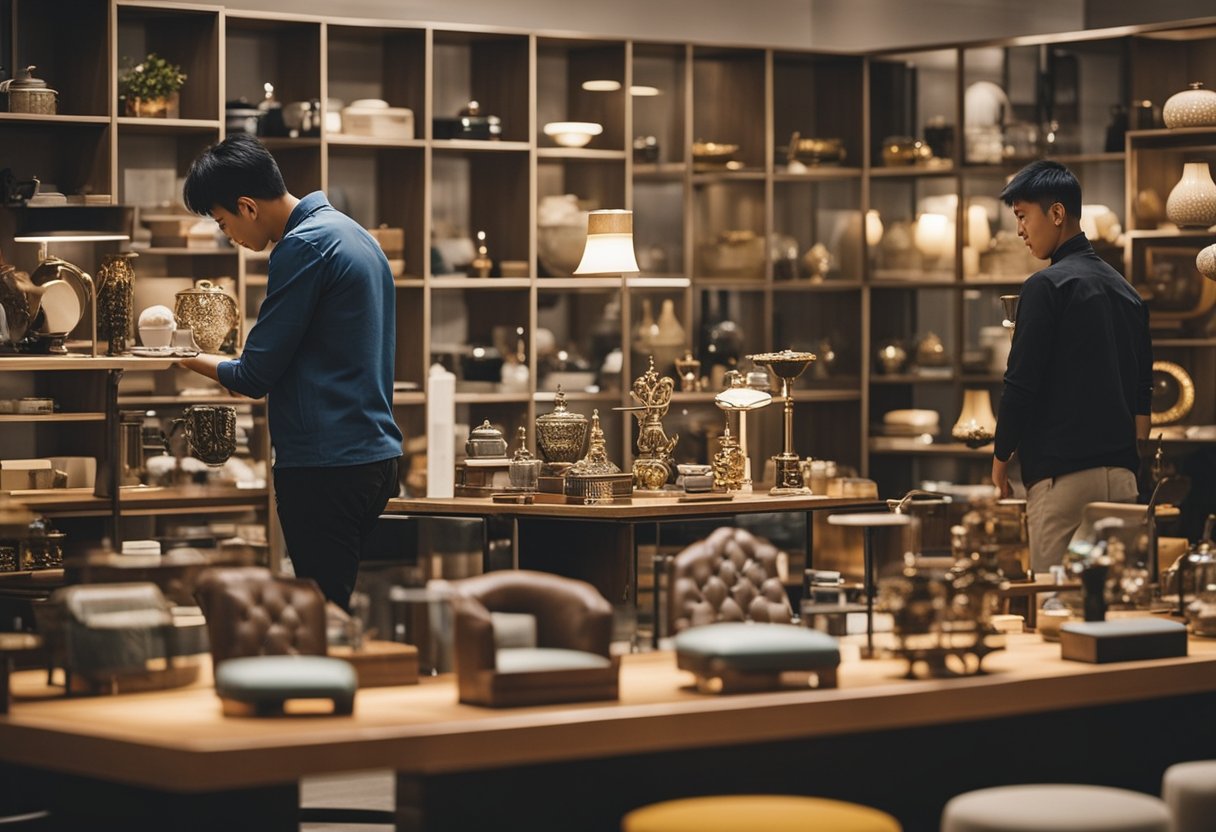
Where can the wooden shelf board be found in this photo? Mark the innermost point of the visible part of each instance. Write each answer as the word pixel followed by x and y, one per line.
pixel 409 282
pixel 61 120
pixel 548 396
pixel 167 126
pixel 183 251
pixel 578 283
pixel 464 397
pixel 83 362
pixel 935 449
pixel 822 173
pixel 1166 233
pixel 1184 342
pixel 484 283
pixel 52 417
pixel 911 378
pixel 580 153
pixel 373 142
pixel 911 172
pixel 802 285
pixel 748 284
pixel 897 283
pixel 479 145
pixel 658 282
pixel 135 400
pixel 409 397
pixel 667 171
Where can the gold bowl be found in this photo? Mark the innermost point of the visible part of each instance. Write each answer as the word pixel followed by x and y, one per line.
pixel 713 152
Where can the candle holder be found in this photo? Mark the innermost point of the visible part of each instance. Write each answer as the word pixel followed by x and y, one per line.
pixel 787 365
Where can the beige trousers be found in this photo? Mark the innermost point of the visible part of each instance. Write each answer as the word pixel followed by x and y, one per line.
pixel 1053 508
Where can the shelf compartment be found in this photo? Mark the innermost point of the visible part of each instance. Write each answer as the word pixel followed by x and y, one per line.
pixel 823 217
pixel 563 65
pixel 378 62
pixel 70 45
pixel 52 417
pixel 385 187
pixel 729 100
pixel 189 38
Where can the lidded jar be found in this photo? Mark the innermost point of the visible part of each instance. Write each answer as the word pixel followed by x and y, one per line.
pixel 27 94
pixel 525 468
pixel 561 435
pixel 1194 107
pixel 207 310
pixel 486 442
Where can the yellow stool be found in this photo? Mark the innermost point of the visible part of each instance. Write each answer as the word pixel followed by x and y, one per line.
pixel 772 813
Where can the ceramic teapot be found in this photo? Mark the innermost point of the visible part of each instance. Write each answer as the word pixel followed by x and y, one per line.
pixel 207 310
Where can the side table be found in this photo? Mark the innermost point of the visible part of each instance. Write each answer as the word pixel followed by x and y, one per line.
pixel 868 522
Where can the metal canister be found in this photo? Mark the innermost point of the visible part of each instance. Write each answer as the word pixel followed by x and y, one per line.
pixel 27 94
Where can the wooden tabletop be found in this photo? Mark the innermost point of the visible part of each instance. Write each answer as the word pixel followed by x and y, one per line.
pixel 180 741
pixel 641 508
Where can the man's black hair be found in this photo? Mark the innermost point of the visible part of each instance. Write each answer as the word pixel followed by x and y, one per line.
pixel 1045 182
pixel 238 166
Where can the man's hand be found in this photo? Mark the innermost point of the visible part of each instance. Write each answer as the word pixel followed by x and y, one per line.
pixel 1000 478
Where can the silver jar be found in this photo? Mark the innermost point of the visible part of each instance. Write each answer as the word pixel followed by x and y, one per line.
pixel 27 94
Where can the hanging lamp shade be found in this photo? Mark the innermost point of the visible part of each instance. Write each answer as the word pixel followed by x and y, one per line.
pixel 609 248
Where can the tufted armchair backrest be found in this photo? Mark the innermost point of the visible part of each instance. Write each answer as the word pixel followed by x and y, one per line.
pixel 729 576
pixel 252 612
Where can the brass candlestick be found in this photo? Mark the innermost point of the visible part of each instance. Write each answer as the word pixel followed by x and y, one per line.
pixel 787 365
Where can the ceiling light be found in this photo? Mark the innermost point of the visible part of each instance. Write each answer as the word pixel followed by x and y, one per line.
pixel 643 91
pixel 601 85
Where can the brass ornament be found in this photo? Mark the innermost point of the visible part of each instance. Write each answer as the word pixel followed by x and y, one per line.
pixel 728 463
pixel 653 465
pixel 115 292
pixel 1185 400
pixel 209 312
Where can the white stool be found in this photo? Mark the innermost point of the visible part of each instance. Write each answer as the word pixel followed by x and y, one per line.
pixel 1189 789
pixel 1060 808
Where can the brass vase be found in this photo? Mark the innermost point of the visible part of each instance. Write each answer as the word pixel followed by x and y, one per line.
pixel 115 290
pixel 209 312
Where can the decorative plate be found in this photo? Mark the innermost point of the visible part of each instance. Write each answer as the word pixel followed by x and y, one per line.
pixel 1173 393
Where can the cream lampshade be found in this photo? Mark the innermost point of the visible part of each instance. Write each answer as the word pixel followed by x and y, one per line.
pixel 609 248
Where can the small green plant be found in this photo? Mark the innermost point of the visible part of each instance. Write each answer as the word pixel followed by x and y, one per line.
pixel 154 77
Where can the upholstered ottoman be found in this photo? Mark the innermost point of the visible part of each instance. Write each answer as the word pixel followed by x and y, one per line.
pixel 735 657
pixel 261 685
pixel 768 812
pixel 1055 807
pixel 1189 789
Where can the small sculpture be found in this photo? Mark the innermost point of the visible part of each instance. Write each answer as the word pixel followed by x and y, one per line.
pixel 525 468
pixel 729 463
pixel 654 463
pixel 561 435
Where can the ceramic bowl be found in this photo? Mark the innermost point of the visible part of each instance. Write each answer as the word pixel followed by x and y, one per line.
pixel 573 133
pixel 156 336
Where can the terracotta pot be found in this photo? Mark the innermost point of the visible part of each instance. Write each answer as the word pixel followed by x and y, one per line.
pixel 164 107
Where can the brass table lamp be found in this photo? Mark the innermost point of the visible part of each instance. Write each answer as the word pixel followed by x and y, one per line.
pixel 787 365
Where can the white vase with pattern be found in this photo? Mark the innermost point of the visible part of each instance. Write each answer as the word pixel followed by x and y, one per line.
pixel 1192 203
pixel 1205 261
pixel 1194 107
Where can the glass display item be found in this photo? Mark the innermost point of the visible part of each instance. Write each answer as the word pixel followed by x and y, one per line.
pixel 115 292
pixel 787 365
pixel 525 468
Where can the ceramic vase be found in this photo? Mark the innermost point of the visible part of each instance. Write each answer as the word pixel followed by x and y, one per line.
pixel 1192 202
pixel 1194 107
pixel 115 291
pixel 1205 261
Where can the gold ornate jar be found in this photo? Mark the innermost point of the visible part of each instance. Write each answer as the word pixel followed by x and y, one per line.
pixel 561 435
pixel 209 312
pixel 728 463
pixel 115 290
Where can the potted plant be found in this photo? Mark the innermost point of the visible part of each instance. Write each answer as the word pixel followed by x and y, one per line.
pixel 150 88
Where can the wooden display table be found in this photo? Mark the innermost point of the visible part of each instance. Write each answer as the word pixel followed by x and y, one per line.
pixel 170 759
pixel 598 543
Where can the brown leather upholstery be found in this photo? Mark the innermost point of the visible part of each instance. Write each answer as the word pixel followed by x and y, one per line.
pixel 252 612
pixel 729 576
pixel 570 615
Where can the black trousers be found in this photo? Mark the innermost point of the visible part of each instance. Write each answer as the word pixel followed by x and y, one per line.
pixel 328 515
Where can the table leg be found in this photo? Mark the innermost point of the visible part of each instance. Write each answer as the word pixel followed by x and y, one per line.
pixel 868 584
pixel 6 668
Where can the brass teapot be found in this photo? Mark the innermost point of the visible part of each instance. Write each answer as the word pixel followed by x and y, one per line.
pixel 209 311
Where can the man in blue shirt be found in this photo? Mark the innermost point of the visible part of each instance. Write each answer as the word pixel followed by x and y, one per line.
pixel 321 350
pixel 1078 386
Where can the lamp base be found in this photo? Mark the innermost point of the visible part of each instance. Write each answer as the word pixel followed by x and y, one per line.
pixel 788 477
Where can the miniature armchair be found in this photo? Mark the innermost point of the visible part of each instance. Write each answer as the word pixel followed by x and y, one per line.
pixel 531 638
pixel 268 644
pixel 729 576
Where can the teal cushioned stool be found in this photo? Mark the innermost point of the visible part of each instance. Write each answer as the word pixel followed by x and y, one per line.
pixel 261 685
pixel 735 657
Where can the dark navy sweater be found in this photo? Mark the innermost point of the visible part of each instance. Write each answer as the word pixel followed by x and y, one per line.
pixel 1080 369
pixel 323 346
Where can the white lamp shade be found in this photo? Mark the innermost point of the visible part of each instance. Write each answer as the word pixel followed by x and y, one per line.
pixel 979 231
pixel 742 398
pixel 609 248
pixel 934 235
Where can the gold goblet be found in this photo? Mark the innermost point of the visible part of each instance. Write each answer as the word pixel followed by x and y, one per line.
pixel 787 365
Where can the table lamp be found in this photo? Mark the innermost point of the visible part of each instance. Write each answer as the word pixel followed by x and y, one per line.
pixel 609 248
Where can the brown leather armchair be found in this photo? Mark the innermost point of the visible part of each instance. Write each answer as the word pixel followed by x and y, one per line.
pixel 729 576
pixel 252 612
pixel 564 659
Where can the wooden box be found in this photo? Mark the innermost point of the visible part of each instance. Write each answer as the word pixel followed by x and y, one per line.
pixel 1124 640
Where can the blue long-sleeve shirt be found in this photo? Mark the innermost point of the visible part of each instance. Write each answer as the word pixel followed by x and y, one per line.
pixel 323 347
pixel 1080 369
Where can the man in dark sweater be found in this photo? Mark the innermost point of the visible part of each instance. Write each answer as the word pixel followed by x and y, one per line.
pixel 322 352
pixel 1078 383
